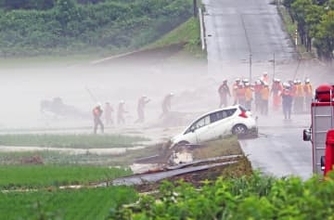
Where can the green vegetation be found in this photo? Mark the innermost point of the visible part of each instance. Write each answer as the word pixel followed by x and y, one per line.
pixel 254 197
pixel 226 146
pixel 108 27
pixel 43 176
pixel 70 140
pixel 187 34
pixel 77 204
pixel 315 24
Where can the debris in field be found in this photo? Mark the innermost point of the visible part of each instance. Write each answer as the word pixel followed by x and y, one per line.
pixel 181 157
pixel 32 160
pixel 144 168
pixel 154 177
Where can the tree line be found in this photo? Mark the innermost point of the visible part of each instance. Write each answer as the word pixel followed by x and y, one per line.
pixel 71 26
pixel 38 4
pixel 315 24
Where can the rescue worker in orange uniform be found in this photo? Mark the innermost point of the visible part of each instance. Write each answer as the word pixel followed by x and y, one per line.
pixel 299 99
pixel 308 94
pixel 257 94
pixel 224 91
pixel 241 94
pixel 234 90
pixel 265 93
pixel 97 113
pixel 248 96
pixel 276 91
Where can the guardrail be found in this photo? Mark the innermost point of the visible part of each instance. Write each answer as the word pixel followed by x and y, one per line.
pixel 201 22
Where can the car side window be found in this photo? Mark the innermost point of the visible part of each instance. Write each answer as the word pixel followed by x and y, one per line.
pixel 216 116
pixel 199 123
pixel 230 112
pixel 202 122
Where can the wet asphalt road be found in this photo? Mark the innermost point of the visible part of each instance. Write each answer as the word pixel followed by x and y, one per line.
pixel 242 38
pixel 280 150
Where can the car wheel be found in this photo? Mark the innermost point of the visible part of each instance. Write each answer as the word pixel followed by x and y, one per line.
pixel 239 129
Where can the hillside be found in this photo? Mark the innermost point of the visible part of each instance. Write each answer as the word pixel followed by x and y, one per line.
pixel 108 27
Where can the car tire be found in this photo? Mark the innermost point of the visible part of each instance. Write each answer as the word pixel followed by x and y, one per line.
pixel 239 129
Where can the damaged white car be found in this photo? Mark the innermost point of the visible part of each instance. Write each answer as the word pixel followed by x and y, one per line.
pixel 220 123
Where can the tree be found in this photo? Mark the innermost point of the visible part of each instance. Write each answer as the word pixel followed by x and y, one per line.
pixel 66 10
pixel 325 36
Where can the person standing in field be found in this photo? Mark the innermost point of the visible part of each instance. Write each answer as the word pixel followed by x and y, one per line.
pixel 141 107
pixel 120 113
pixel 224 91
pixel 108 114
pixel 166 105
pixel 97 113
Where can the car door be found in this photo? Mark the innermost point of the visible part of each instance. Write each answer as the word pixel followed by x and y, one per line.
pixel 222 122
pixel 203 129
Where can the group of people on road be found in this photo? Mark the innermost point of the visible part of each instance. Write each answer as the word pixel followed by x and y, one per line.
pixel 287 95
pixel 108 112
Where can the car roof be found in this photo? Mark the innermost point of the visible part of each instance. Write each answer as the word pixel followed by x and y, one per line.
pixel 217 110
pixel 224 108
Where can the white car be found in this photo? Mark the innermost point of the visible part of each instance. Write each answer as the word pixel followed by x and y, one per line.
pixel 232 120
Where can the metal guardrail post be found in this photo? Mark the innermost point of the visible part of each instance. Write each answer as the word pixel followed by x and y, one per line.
pixel 201 28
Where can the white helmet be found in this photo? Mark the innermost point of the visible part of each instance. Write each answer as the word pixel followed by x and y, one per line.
pixel 245 80
pixel 307 80
pixel 286 84
pixel 98 104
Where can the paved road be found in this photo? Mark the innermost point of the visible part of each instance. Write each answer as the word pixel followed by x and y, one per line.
pixel 280 150
pixel 234 30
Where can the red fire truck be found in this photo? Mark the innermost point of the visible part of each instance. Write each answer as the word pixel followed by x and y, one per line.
pixel 321 131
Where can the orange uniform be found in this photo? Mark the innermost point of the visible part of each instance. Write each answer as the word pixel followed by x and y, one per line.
pixel 265 93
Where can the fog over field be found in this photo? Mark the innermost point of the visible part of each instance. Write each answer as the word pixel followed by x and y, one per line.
pixel 195 89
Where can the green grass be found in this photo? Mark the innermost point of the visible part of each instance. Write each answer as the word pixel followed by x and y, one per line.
pixel 41 176
pixel 46 61
pixel 72 141
pixel 187 33
pixel 79 204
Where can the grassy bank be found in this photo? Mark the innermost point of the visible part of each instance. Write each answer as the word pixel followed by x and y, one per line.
pixel 187 34
pixel 70 140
